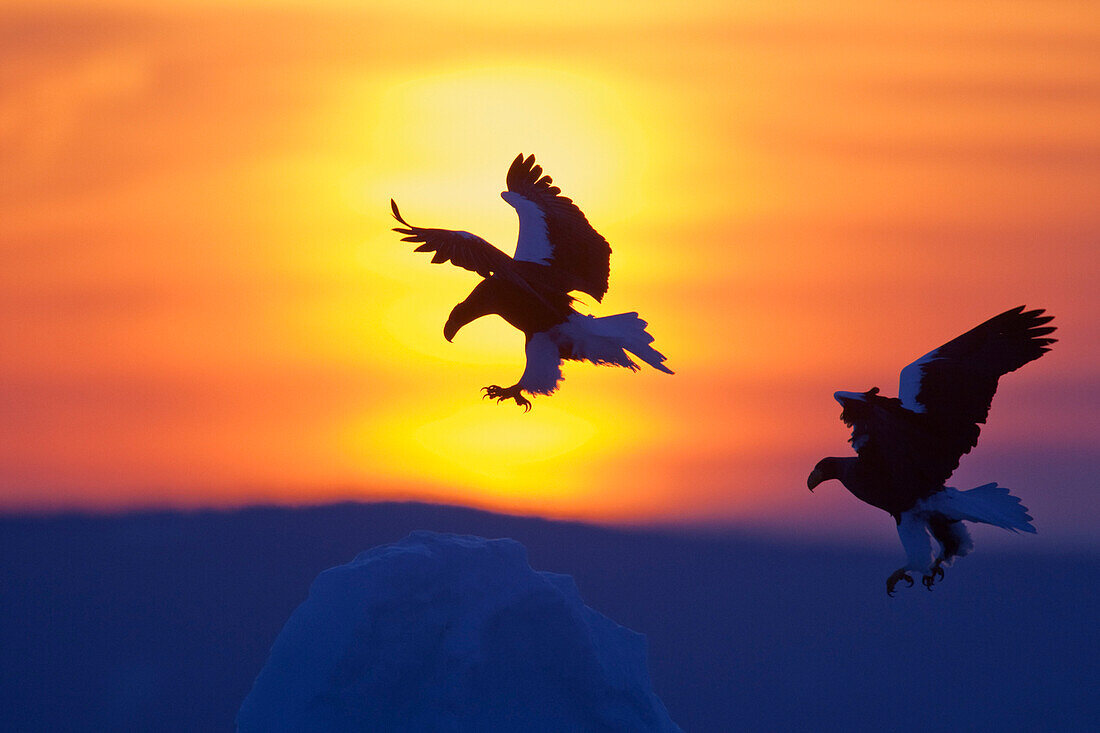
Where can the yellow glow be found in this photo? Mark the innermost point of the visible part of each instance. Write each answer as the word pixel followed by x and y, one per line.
pixel 494 443
pixel 416 322
pixel 486 454
pixel 440 142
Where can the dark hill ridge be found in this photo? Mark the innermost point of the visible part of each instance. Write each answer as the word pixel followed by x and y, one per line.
pixel 160 621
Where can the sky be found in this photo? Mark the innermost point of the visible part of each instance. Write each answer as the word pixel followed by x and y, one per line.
pixel 204 305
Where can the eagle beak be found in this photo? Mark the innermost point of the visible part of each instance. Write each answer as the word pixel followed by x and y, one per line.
pixel 462 314
pixel 815 478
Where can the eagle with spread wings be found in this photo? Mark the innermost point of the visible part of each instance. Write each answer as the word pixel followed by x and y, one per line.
pixel 558 252
pixel 907 447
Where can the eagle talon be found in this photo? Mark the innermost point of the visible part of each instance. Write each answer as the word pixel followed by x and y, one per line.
pixel 935 574
pixel 498 393
pixel 892 581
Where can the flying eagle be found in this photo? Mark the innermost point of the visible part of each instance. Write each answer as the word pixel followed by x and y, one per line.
pixel 907 447
pixel 558 252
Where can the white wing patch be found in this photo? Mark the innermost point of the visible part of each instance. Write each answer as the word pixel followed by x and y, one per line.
pixel 911 378
pixel 533 245
pixel 543 370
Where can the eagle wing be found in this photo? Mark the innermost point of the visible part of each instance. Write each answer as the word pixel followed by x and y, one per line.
pixel 466 250
pixel 554 232
pixel 953 385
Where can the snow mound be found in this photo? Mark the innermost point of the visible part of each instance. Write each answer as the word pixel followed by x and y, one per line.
pixel 451 633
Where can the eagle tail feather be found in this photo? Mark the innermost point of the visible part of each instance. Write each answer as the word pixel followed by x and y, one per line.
pixel 606 340
pixel 987 504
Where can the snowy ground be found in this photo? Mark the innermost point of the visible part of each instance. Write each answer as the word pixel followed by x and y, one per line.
pixel 161 622
pixel 446 632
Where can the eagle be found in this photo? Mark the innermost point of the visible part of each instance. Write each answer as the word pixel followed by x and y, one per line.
pixel 907 447
pixel 558 252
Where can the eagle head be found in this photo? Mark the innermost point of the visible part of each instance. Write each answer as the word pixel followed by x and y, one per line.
pixel 461 314
pixel 450 328
pixel 826 468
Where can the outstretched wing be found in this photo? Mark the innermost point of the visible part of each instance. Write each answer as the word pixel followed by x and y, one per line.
pixel 954 384
pixel 554 232
pixel 466 250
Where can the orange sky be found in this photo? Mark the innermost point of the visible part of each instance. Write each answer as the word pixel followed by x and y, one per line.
pixel 203 303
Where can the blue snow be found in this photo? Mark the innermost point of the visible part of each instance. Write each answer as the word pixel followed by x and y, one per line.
pixel 442 632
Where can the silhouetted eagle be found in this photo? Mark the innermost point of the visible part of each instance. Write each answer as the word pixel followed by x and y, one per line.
pixel 558 252
pixel 906 448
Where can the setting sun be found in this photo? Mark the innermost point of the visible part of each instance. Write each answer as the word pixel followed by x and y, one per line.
pixel 206 305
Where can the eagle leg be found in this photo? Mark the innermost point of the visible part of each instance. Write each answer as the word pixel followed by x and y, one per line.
pixel 498 393
pixel 935 574
pixel 892 581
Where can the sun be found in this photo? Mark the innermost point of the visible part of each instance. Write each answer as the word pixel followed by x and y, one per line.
pixel 439 143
